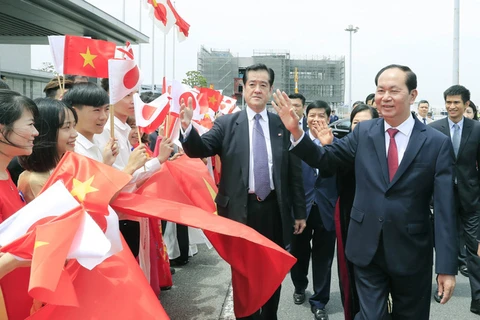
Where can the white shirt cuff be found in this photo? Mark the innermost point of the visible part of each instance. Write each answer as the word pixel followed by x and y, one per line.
pixel 187 131
pixel 294 143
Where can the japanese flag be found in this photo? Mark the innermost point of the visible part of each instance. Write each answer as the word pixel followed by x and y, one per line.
pixel 228 105
pixel 182 91
pixel 124 76
pixel 150 116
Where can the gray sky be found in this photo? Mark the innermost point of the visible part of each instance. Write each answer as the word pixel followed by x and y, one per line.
pixel 417 33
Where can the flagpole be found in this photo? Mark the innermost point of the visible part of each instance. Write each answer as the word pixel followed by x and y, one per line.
pixel 173 64
pixel 140 29
pixel 153 54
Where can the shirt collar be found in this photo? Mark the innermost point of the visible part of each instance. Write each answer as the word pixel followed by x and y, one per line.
pixel 251 114
pixel 451 123
pixel 84 142
pixel 405 127
pixel 122 126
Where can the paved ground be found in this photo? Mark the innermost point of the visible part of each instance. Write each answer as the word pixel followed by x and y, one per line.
pixel 202 292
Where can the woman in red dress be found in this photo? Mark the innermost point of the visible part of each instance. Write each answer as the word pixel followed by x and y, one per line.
pixel 17 133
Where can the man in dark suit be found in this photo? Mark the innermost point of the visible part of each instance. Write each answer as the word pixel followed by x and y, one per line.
pixel 399 164
pixel 298 103
pixel 465 136
pixel 320 197
pixel 261 182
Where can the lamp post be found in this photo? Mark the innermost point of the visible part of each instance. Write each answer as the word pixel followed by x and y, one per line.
pixel 351 30
pixel 456 42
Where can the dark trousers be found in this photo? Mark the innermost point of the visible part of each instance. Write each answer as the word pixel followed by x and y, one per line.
pixel 264 217
pixel 321 251
pixel 131 232
pixel 410 293
pixel 462 250
pixel 470 221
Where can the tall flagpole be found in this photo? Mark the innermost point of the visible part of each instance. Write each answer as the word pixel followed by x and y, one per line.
pixel 139 61
pixel 165 55
pixel 153 54
pixel 173 62
pixel 456 42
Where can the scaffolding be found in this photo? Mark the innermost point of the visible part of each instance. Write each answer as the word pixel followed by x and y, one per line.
pixel 319 77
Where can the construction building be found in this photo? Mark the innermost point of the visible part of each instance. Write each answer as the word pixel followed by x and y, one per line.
pixel 319 78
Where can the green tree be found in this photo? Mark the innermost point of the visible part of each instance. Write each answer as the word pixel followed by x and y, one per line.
pixel 195 79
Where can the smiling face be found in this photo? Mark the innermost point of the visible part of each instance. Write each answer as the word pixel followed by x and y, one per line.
pixel 315 115
pixel 66 134
pixel 19 142
pixel 455 107
pixel 257 91
pixel 393 98
pixel 91 120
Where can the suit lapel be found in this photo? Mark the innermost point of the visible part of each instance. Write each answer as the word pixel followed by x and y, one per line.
pixel 377 134
pixel 444 127
pixel 276 140
pixel 466 131
pixel 415 143
pixel 241 131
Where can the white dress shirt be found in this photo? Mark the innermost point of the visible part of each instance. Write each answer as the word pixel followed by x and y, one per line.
pixel 87 148
pixel 401 138
pixel 450 125
pixel 427 119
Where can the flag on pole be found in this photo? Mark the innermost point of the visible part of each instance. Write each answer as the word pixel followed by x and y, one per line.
pixel 124 76
pixel 209 98
pixel 166 16
pixel 150 116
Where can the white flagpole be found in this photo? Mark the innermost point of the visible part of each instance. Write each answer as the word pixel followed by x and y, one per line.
pixel 165 55
pixel 139 60
pixel 153 54
pixel 174 39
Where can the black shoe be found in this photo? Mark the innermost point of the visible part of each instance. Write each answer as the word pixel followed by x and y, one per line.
pixel 463 270
pixel 298 297
pixel 172 271
pixel 178 262
pixel 436 296
pixel 165 288
pixel 319 314
pixel 475 306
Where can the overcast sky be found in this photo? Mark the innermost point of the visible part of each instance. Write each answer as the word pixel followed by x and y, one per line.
pixel 417 33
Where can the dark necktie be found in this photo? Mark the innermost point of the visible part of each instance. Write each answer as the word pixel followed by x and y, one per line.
pixel 392 158
pixel 424 120
pixel 260 160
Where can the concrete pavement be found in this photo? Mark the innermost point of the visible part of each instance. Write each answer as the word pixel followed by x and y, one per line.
pixel 201 291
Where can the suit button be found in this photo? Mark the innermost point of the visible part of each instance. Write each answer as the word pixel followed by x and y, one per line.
pixel 380 219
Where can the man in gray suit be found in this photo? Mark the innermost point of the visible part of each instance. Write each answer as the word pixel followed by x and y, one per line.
pixel 261 182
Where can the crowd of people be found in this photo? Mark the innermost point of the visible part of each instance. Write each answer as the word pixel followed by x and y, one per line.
pixel 286 176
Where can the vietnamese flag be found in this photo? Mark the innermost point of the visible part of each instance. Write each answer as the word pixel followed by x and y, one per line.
pixel 87 57
pixel 91 182
pixel 209 98
pixel 114 290
pixel 258 264
pixel 48 245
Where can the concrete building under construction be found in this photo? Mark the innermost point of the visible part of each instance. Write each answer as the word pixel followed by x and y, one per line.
pixel 318 77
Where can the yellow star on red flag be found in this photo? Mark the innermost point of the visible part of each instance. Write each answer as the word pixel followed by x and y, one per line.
pixel 212 192
pixel 81 189
pixel 40 244
pixel 212 100
pixel 88 58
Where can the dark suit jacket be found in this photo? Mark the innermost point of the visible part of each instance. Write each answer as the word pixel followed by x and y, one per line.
pixel 321 192
pixel 399 210
pixel 304 124
pixel 229 138
pixel 468 158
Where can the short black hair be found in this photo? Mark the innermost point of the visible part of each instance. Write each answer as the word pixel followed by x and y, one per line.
pixel 258 67
pixel 423 101
pixel 457 90
pixel 297 96
pixel 474 109
pixel 370 97
pixel 45 156
pixel 362 107
pixel 105 84
pixel 12 106
pixel 319 104
pixel 149 96
pixel 356 103
pixel 86 94
pixel 411 79
pixel 52 87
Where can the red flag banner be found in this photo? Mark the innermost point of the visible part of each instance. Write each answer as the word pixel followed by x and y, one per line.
pixel 87 57
pixel 209 98
pixel 258 264
pixel 115 290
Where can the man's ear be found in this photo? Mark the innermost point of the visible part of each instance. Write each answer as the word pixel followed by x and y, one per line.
pixel 467 104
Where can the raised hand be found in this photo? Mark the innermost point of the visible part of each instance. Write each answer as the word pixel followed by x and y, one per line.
pixel 186 113
pixel 323 133
pixel 137 159
pixel 166 148
pixel 110 152
pixel 285 111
